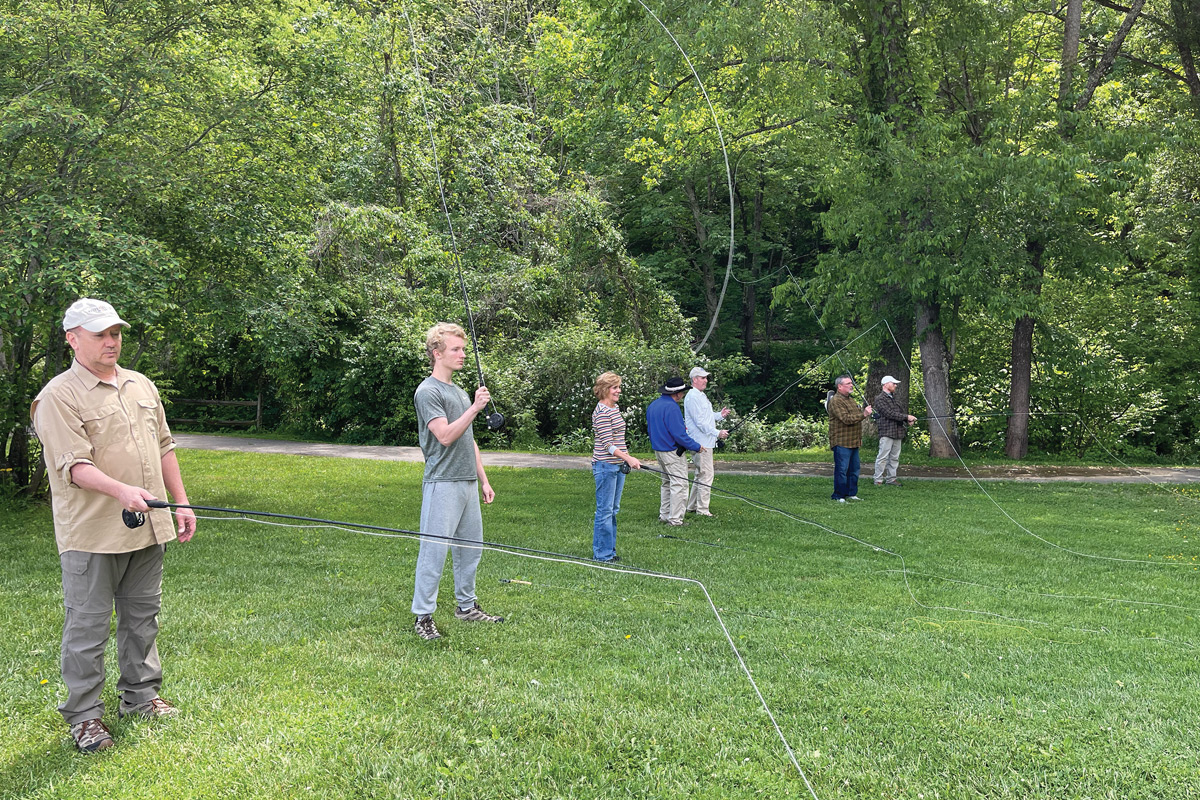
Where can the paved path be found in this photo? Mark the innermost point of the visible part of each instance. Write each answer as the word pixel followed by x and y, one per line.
pixel 1005 472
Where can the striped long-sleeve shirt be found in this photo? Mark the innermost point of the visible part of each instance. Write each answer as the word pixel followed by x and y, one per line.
pixel 608 426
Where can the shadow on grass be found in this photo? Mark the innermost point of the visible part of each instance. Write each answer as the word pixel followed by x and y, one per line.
pixel 50 760
pixel 47 761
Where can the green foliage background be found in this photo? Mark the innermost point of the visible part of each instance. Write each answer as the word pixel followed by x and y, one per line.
pixel 260 188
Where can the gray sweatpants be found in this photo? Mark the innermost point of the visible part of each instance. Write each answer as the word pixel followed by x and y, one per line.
pixel 92 584
pixel 448 508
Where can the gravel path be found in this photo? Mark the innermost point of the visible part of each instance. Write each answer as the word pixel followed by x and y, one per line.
pixel 1000 472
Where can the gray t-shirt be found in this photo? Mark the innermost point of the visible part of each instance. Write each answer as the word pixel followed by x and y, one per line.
pixel 434 399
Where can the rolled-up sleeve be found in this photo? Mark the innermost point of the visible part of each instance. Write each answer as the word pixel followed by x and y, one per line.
pixel 60 429
pixel 166 442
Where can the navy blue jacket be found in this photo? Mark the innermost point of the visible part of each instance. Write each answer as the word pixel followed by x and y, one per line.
pixel 664 423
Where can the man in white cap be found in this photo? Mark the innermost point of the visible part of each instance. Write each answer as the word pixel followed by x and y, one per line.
pixel 893 424
pixel 701 422
pixel 107 447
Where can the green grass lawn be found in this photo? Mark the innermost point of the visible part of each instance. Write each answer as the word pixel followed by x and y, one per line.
pixel 986 664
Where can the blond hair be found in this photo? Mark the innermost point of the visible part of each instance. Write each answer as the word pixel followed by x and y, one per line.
pixel 604 383
pixel 435 337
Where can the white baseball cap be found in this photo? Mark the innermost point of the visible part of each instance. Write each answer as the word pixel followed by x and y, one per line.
pixel 888 379
pixel 91 315
pixel 698 372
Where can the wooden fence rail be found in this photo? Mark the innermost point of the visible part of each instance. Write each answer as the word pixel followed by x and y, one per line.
pixel 231 423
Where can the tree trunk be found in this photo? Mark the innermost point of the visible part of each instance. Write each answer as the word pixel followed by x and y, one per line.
pixel 935 368
pixel 1186 15
pixel 893 359
pixel 1070 52
pixel 749 289
pixel 1016 438
pixel 707 273
pixel 387 130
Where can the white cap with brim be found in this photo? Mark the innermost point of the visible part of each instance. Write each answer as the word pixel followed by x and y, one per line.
pixel 888 379
pixel 91 315
pixel 698 372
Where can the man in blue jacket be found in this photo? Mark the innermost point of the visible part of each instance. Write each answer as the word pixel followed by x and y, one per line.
pixel 669 438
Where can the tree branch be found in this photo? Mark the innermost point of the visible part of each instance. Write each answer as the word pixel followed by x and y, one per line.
pixel 1110 55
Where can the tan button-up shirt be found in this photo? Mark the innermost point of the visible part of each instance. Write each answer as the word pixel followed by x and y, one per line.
pixel 121 430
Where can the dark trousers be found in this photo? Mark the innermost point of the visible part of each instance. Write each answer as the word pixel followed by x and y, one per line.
pixel 845 472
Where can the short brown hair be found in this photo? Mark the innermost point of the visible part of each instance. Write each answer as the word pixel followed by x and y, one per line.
pixel 435 337
pixel 604 383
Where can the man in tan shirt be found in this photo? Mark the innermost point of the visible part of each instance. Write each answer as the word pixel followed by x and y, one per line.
pixel 107 447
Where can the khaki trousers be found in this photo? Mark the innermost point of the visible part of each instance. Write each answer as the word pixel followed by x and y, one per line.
pixel 702 485
pixel 888 459
pixel 92 584
pixel 674 490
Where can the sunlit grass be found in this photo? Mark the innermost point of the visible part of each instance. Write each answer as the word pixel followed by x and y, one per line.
pixel 987 663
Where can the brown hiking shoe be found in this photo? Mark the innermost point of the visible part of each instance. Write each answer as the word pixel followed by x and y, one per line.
pixel 426 629
pixel 476 614
pixel 151 709
pixel 91 736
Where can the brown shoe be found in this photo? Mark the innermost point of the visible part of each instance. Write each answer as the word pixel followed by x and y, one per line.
pixel 91 736
pixel 151 709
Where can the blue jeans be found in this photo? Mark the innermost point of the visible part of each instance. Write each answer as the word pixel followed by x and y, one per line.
pixel 845 472
pixel 609 483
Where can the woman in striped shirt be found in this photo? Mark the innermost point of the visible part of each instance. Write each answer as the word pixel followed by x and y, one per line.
pixel 608 453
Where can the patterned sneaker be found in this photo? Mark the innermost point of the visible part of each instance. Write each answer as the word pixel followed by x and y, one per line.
pixel 426 629
pixel 476 614
pixel 151 709
pixel 91 736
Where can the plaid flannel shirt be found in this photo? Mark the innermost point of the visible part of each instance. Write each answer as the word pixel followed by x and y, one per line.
pixel 845 422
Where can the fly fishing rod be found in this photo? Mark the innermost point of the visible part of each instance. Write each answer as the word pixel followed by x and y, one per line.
pixel 134 519
pixel 495 420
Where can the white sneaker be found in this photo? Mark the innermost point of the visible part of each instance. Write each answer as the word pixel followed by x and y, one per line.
pixel 856 497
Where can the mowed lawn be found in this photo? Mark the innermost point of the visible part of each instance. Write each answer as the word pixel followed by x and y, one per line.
pixel 986 663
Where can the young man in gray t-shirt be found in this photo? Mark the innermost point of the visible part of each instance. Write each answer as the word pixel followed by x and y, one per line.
pixel 450 489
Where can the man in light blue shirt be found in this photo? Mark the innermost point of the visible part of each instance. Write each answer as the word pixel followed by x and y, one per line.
pixel 701 422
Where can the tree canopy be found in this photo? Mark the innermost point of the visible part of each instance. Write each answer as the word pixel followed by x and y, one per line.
pixel 281 197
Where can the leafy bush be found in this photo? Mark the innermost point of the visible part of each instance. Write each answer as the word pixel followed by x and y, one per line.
pixel 793 433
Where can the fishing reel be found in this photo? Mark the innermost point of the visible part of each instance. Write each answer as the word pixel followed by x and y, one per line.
pixel 136 519
pixel 495 421
pixel 625 468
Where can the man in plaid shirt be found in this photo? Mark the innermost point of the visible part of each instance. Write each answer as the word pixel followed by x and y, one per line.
pixel 845 436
